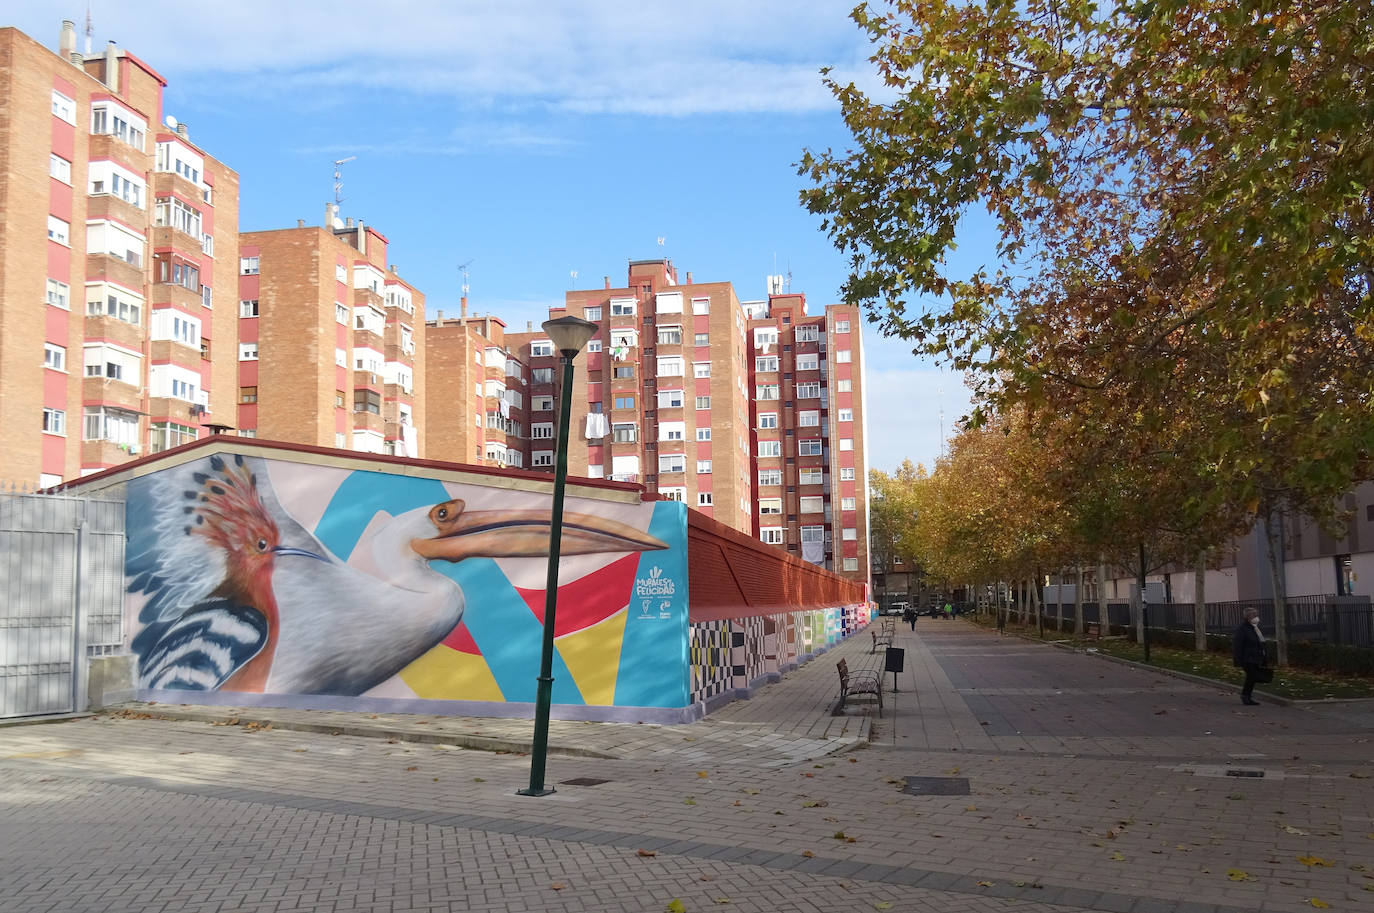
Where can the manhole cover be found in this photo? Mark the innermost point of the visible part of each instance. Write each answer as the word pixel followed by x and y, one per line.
pixel 936 786
pixel 1240 772
pixel 583 781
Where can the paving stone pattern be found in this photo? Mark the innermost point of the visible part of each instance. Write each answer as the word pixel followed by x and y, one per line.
pixel 1093 786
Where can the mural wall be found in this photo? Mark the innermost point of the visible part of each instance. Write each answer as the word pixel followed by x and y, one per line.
pixel 260 576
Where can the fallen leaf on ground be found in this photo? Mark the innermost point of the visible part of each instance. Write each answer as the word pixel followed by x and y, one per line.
pixel 815 803
pixel 808 854
pixel 703 774
pixel 689 801
pixel 1118 857
pixel 645 853
pixel 1293 830
pixel 839 835
pixel 984 884
pixel 675 906
pixel 1239 875
pixel 412 767
pixel 1314 861
pixel 1319 904
pixel 721 899
pixel 883 905
pixel 558 886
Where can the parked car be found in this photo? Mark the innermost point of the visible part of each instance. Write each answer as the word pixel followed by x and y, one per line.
pixel 896 608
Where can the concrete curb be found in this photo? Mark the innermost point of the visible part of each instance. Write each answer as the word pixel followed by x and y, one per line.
pixel 462 740
pixel 40 720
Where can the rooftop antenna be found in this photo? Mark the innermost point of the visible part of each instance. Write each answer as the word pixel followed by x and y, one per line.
pixel 573 274
pixel 338 178
pixel 787 285
pixel 90 29
pixel 463 268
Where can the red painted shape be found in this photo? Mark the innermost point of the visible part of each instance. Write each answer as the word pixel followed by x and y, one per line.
pixel 590 599
pixel 55 388
pixel 55 448
pixel 460 639
pixel 55 326
pixel 60 199
pixel 60 267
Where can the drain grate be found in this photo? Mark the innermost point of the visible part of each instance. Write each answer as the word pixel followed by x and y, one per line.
pixel 936 786
pixel 1243 772
pixel 583 781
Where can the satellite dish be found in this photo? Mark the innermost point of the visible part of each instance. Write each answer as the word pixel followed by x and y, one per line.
pixel 170 121
pixel 338 223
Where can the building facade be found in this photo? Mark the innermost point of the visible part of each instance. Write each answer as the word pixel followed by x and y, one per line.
pixel 476 393
pixel 116 232
pixel 330 340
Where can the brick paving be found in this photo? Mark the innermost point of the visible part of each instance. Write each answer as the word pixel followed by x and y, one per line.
pixel 1092 786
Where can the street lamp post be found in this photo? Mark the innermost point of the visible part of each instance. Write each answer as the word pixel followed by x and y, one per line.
pixel 569 334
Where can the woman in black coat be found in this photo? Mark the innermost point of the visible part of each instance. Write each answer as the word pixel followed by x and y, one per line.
pixel 1247 652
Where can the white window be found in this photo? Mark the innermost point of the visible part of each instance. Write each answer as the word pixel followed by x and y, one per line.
pixel 770 448
pixel 851 564
pixel 541 347
pixel 596 471
pixel 771 534
pixel 670 336
pixel 112 363
pixel 673 493
pixel 670 399
pixel 770 477
pixel 341 313
pixel 842 356
pixel 175 382
pixel 812 504
pixel 808 448
pixel 668 303
pixel 807 333
pixel 340 272
pixel 810 476
pixel 672 462
pixel 623 434
pixel 248 307
pixel 248 351
pixel 703 402
pixel 54 356
pixel 107 178
pixel 59 294
pixel 672 431
pixel 701 369
pixel 770 505
pixel 850 534
pixel 812 533
pixel 593 345
pixel 105 237
pixel 701 305
pixel 768 420
pixel 847 474
pixel 106 300
pixel 172 325
pixel 106 424
pixel 766 391
pixel 54 421
pixel 248 266
pixel 842 326
pixel 114 120
pixel 622 307
pixel 846 503
pixel 541 403
pixel 765 336
pixel 541 431
pixel 592 313
pixel 843 386
pixel 703 434
pixel 846 415
pixel 846 443
pixel 809 419
pixel 341 357
pixel 63 107
pixel 809 391
pixel 542 458
pixel 59 230
pixel 703 467
pixel 766 364
pixel 808 362
pixel 669 366
pixel 705 499
pixel 60 168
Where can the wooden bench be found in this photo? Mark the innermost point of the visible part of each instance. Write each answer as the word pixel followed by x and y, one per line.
pixel 883 638
pixel 865 681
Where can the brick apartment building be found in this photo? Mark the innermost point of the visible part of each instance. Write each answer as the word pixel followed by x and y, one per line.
pixel 751 412
pixel 115 234
pixel 330 340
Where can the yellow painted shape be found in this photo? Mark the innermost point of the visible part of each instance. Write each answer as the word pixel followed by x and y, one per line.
pixel 592 655
pixel 446 674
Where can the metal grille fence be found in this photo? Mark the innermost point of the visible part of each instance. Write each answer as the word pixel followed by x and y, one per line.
pixel 61 597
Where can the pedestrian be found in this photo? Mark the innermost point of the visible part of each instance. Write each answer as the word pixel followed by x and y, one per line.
pixel 1247 652
pixel 1001 620
pixel 909 616
pixel 949 611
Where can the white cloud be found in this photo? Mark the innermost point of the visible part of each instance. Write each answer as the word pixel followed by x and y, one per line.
pixel 592 56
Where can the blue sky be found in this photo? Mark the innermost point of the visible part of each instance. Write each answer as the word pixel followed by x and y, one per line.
pixel 530 140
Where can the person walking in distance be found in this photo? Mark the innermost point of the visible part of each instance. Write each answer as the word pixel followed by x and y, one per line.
pixel 1002 619
pixel 1247 652
pixel 909 616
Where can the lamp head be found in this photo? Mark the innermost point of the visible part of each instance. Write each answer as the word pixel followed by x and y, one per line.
pixel 569 334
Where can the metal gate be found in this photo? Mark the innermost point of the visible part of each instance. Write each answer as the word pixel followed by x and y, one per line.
pixel 61 597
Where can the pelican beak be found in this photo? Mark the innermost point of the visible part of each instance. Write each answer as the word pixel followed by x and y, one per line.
pixel 525 533
pixel 292 550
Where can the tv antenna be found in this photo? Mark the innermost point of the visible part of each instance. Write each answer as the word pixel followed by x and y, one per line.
pixel 463 268
pixel 90 29
pixel 338 178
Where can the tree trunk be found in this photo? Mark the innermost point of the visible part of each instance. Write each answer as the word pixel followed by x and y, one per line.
pixel 1200 603
pixel 1103 628
pixel 1276 582
pixel 1078 604
pixel 1059 621
pixel 1140 600
pixel 1038 600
